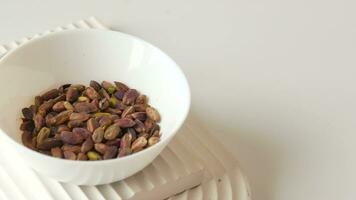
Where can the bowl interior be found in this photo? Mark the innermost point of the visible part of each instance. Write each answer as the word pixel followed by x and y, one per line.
pixel 80 56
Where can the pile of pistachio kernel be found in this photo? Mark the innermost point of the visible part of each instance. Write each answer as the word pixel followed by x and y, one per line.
pixel 98 122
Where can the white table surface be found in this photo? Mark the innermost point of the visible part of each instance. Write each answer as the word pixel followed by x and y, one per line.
pixel 273 80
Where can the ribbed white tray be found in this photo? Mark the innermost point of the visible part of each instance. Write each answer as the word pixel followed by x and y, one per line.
pixel 192 159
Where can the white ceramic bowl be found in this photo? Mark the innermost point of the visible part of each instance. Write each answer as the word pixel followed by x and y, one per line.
pixel 78 56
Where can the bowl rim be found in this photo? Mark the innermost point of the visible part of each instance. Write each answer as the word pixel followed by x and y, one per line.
pixel 100 31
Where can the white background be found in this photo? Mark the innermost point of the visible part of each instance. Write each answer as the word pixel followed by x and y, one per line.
pixel 273 80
